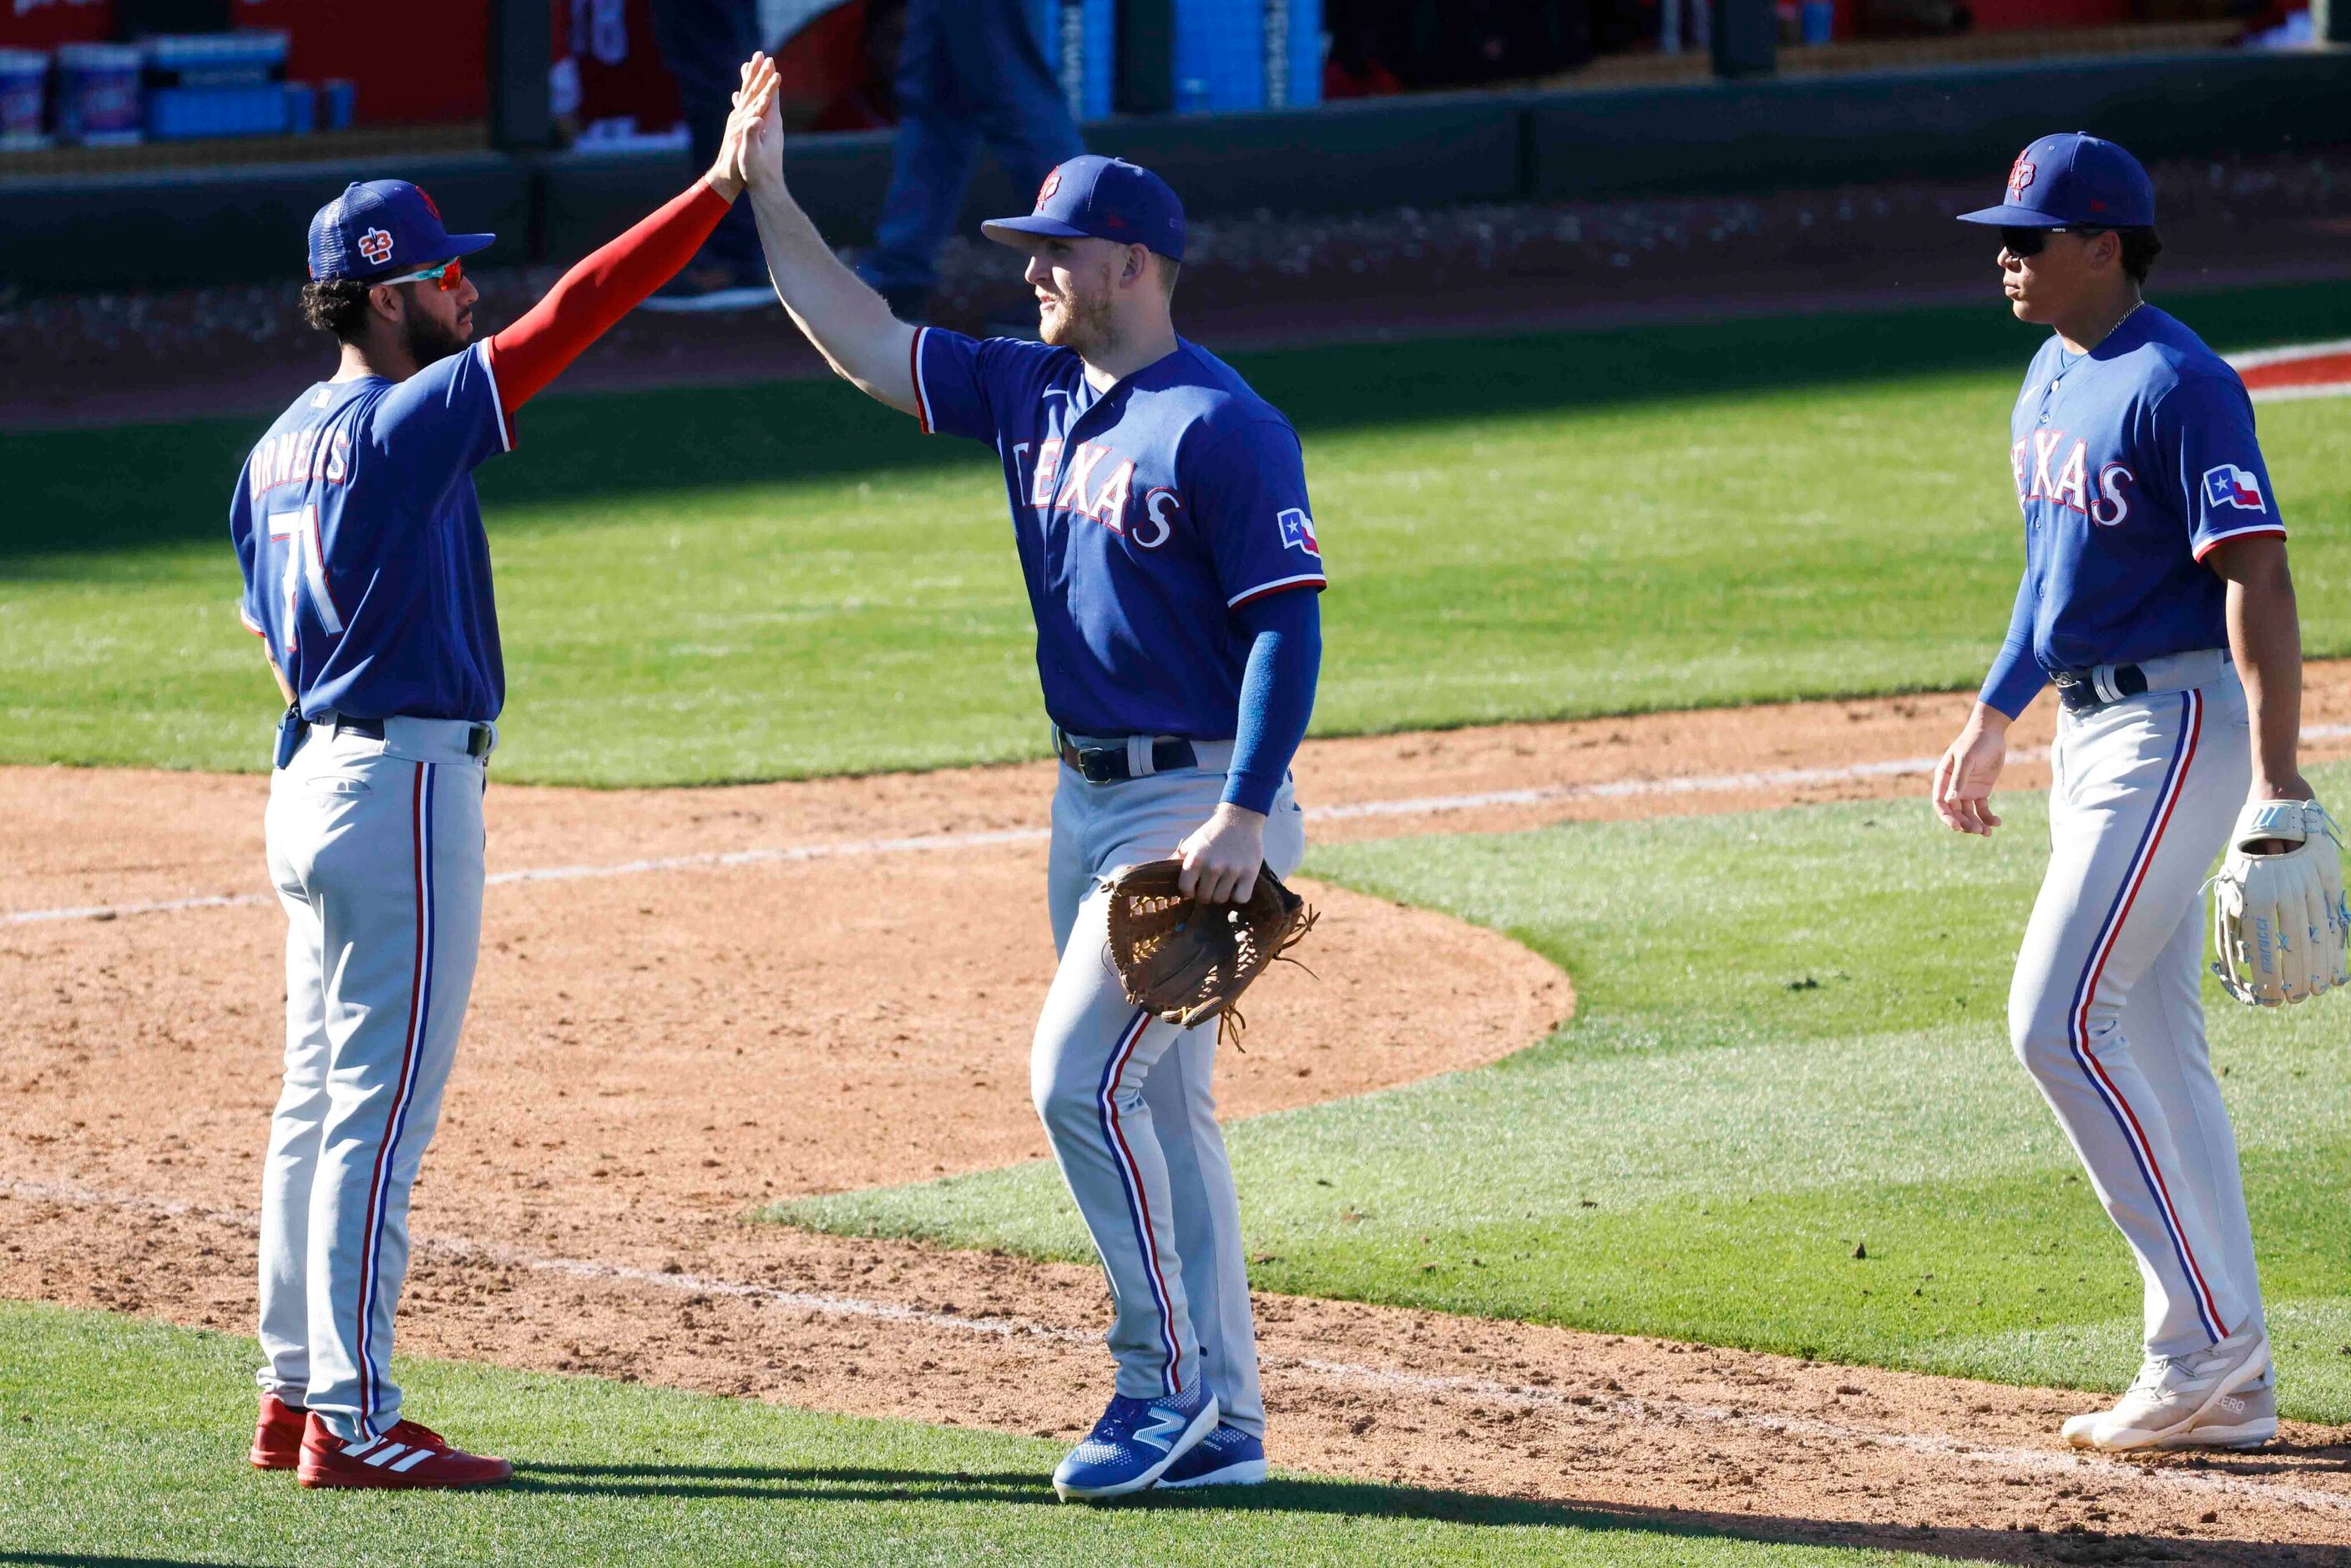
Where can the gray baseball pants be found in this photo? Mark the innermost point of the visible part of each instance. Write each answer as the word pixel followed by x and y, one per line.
pixel 1129 1104
pixel 376 850
pixel 2106 1010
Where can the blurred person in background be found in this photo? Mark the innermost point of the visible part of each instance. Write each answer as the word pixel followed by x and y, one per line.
pixel 1381 47
pixel 866 96
pixel 705 43
pixel 972 70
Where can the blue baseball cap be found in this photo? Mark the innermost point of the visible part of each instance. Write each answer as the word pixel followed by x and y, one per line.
pixel 377 228
pixel 2072 180
pixel 1094 197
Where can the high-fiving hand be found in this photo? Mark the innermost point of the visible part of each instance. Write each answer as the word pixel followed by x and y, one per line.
pixel 740 148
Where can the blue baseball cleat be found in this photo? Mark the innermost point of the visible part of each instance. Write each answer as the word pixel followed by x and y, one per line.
pixel 1134 1443
pixel 1227 1457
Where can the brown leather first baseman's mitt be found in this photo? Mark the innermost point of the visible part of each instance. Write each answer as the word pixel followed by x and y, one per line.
pixel 1184 961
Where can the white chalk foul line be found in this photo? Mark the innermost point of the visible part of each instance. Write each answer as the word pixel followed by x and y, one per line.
pixel 1630 1409
pixel 916 844
pixel 1673 1412
pixel 932 844
pixel 1433 805
pixel 1627 789
pixel 460 1251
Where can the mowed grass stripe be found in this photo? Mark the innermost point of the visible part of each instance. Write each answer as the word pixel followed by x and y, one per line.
pixel 1790 1042
pixel 705 585
pixel 122 1439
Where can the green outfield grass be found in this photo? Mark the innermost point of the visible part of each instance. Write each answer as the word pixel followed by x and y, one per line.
pixel 1789 1041
pixel 122 1441
pixel 708 585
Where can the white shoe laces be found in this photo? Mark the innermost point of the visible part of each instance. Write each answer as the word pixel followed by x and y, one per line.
pixel 2153 1377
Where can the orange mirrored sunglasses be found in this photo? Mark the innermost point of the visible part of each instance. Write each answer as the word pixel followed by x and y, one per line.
pixel 448 275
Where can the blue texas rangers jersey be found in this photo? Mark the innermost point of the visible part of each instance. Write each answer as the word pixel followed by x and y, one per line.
pixel 366 568
pixel 1145 515
pixel 2131 462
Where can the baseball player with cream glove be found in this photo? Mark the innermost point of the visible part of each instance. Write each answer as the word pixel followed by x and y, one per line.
pixel 2157 599
pixel 2278 920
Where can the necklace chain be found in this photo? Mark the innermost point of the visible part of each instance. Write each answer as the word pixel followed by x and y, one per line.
pixel 2091 347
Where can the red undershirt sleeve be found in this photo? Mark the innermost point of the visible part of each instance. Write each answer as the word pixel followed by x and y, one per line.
pixel 594 296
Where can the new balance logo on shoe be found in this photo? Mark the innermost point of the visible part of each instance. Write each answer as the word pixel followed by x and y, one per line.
pixel 1165 1426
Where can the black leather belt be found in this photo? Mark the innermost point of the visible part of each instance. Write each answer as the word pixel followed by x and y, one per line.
pixel 477 738
pixel 2080 693
pixel 1108 764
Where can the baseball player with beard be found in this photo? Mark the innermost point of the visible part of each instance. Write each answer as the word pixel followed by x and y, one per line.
pixel 367 576
pixel 2157 599
pixel 1159 508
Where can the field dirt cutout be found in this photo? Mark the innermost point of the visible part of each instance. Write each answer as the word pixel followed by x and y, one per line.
pixel 699 1002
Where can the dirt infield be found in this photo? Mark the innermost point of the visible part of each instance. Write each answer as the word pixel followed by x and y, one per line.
pixel 691 1001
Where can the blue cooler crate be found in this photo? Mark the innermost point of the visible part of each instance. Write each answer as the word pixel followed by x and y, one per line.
pixel 216 84
pixel 98 93
pixel 24 87
pixel 1080 39
pixel 1233 56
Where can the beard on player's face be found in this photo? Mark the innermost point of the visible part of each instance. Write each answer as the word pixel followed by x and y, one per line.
pixel 1075 294
pixel 1077 321
pixel 432 331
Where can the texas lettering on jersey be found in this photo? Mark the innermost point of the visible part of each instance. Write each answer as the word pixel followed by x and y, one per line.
pixel 1106 502
pixel 1147 514
pixel 2132 464
pixel 1110 499
pixel 2042 476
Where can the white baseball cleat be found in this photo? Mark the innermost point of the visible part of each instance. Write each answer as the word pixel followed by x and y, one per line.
pixel 2213 1399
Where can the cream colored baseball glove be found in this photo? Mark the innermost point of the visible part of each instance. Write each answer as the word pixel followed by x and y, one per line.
pixel 2279 924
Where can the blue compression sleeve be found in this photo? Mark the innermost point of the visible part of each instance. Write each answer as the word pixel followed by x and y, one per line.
pixel 2016 677
pixel 1277 694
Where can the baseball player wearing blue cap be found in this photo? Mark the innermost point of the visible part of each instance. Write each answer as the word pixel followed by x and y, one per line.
pixel 2157 599
pixel 367 576
pixel 1159 508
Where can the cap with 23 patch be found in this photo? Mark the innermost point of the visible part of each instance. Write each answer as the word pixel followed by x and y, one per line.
pixel 379 227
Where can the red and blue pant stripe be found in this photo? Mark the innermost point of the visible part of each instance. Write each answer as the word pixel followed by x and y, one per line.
pixel 387 1154
pixel 1138 1203
pixel 2126 1119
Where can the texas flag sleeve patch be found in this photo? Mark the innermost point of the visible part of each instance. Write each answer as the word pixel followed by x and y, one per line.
pixel 2229 485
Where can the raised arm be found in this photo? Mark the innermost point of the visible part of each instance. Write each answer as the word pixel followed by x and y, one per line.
pixel 592 297
pixel 849 324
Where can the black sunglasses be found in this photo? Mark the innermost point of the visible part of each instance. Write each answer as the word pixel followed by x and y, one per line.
pixel 2022 242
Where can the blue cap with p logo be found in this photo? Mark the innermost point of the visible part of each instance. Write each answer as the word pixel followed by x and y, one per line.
pixel 2072 180
pixel 1094 197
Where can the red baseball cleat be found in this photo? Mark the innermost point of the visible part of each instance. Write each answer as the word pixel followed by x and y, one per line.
pixel 277 1436
pixel 407 1456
